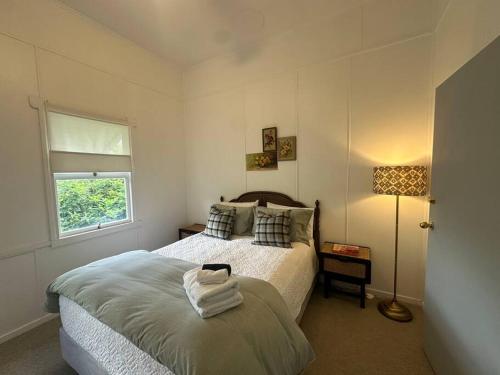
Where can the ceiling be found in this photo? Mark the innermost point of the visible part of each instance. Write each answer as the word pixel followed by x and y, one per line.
pixel 190 31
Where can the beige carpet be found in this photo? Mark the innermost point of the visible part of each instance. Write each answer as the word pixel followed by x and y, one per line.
pixel 347 341
pixel 35 352
pixel 353 341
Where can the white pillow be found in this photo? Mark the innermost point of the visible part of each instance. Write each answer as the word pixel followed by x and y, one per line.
pixel 310 225
pixel 240 204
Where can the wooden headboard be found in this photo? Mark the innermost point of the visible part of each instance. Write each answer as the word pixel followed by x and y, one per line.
pixel 278 198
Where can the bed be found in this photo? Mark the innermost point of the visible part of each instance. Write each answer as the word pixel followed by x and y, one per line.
pixel 92 347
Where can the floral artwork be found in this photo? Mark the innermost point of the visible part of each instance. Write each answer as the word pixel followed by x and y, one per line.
pixel 269 139
pixel 261 161
pixel 287 148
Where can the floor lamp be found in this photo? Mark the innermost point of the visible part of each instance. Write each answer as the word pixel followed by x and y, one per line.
pixel 408 181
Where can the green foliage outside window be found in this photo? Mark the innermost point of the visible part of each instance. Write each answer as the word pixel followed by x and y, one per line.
pixel 86 202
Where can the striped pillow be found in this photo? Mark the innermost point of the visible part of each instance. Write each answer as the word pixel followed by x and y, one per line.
pixel 220 223
pixel 273 230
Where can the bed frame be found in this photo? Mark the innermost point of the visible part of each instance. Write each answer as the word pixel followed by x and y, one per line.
pixel 83 363
pixel 282 199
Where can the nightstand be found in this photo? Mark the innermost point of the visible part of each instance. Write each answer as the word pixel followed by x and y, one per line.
pixel 190 230
pixel 355 269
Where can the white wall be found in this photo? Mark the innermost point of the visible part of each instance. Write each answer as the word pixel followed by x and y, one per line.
pixel 465 28
pixel 356 90
pixel 50 51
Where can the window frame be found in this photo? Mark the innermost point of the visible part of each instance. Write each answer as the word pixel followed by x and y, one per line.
pixel 93 176
pixel 42 106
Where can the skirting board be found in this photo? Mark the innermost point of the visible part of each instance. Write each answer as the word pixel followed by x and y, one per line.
pixel 27 327
pixel 383 294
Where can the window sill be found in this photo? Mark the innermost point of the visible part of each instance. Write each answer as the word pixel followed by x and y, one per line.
pixel 65 241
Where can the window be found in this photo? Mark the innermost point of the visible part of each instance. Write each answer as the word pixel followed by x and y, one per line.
pixel 90 162
pixel 88 202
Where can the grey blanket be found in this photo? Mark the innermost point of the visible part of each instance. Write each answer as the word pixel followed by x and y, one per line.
pixel 140 295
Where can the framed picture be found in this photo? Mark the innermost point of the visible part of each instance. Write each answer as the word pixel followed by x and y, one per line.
pixel 261 161
pixel 269 139
pixel 287 148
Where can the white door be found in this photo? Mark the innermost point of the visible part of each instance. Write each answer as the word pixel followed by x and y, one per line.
pixel 462 297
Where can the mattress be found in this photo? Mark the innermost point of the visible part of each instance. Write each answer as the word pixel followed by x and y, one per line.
pixel 290 271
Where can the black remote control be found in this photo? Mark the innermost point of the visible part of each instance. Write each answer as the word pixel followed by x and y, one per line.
pixel 216 267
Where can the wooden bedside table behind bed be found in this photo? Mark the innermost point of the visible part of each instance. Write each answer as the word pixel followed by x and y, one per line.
pixel 190 230
pixel 355 269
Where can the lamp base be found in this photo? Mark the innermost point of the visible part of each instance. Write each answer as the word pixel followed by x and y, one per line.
pixel 394 310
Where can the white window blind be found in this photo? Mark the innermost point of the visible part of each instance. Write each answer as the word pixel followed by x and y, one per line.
pixel 79 144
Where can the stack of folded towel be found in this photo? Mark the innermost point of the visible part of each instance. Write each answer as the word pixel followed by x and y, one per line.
pixel 211 292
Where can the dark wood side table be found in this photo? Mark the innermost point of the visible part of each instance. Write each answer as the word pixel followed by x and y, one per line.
pixel 355 269
pixel 190 230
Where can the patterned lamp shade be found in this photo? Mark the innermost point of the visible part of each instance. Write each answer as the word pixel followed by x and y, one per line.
pixel 407 180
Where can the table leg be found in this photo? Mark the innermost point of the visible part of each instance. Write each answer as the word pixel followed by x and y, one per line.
pixel 362 296
pixel 327 285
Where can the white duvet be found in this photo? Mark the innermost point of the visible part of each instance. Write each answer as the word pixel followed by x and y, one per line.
pixel 290 271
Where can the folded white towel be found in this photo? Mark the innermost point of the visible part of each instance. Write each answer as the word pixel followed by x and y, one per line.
pixel 211 299
pixel 228 294
pixel 190 277
pixel 212 277
pixel 213 309
pixel 200 293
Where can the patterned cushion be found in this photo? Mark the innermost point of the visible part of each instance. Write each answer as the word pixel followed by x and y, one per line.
pixel 220 223
pixel 273 230
pixel 299 221
pixel 243 220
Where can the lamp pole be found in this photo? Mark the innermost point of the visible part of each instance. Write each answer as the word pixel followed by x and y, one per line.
pixel 392 309
pixel 396 248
